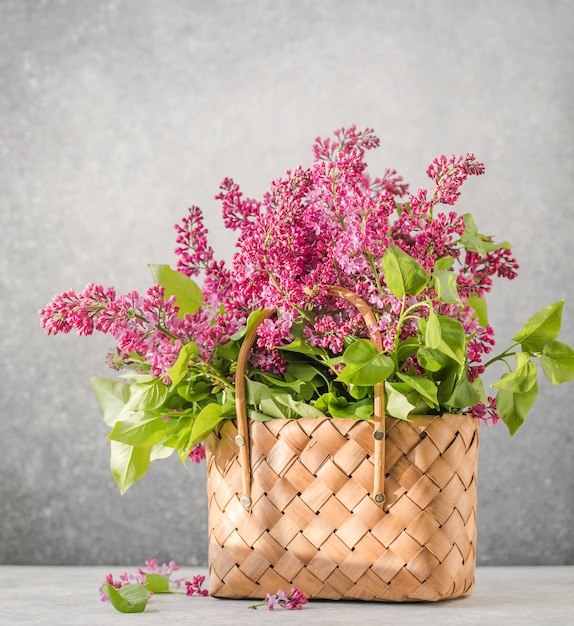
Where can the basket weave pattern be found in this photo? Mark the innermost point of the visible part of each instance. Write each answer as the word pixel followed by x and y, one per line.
pixel 313 522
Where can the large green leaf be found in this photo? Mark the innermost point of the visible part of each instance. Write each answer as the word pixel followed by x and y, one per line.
pixel 365 364
pixel 403 274
pixel 131 598
pixel 142 430
pixel 542 327
pixel 514 407
pixel 112 397
pixel 128 464
pixel 187 293
pixel 557 362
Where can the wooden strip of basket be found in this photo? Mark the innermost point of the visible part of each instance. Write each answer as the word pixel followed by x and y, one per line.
pixel 314 525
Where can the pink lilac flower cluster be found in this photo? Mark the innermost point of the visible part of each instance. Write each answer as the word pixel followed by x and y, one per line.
pixel 192 587
pixel 145 327
pixel 328 224
pixel 293 601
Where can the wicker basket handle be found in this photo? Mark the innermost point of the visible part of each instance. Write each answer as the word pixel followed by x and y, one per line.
pixel 242 439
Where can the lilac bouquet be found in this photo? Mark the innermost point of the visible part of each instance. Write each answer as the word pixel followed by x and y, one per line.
pixel 423 271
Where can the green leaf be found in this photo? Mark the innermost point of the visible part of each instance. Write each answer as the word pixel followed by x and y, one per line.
pixel 132 598
pixel 304 372
pixel 464 395
pixel 157 583
pixel 147 396
pixel 522 379
pixel 452 339
pixel 449 379
pixel 160 452
pixel 432 360
pixel 303 347
pixel 178 370
pixel 444 263
pixel 397 403
pixel 514 407
pixel 295 385
pixel 229 351
pixel 365 364
pixel 128 464
pixel 187 293
pixel 340 407
pixel 183 442
pixel 403 274
pixel 433 334
pixel 542 327
pixel 195 390
pixel 322 402
pixel 407 348
pixel 557 362
pixel 112 397
pixel 209 417
pixel 474 241
pixel 141 430
pixel 360 352
pixel 257 416
pixel 263 398
pixel 444 283
pixel 300 408
pixel 136 377
pixel 423 386
pixel 480 308
pixel 357 393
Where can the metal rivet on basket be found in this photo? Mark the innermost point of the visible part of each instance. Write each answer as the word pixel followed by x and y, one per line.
pixel 378 435
pixel 245 502
pixel 380 498
pixel 239 440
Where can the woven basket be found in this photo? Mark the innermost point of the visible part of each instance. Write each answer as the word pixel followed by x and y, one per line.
pixel 380 509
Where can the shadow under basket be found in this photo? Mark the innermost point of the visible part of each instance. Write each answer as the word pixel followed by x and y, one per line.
pixel 313 519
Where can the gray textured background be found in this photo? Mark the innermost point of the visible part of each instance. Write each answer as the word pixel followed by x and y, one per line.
pixel 116 115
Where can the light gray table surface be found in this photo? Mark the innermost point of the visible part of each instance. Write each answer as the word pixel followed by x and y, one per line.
pixel 69 595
